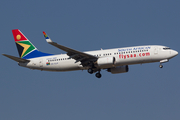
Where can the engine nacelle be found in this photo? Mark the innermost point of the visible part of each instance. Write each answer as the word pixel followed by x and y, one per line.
pixel 106 62
pixel 119 69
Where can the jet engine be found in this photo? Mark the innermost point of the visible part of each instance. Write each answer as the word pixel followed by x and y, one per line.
pixel 119 69
pixel 106 62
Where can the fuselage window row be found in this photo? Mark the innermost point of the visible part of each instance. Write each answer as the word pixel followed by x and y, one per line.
pixel 131 52
pixel 58 59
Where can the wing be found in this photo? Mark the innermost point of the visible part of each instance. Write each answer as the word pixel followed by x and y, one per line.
pixel 17 59
pixel 84 58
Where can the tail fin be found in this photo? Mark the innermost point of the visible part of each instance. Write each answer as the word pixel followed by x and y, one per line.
pixel 25 48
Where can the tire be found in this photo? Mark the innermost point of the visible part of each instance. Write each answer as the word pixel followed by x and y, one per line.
pixel 161 66
pixel 90 70
pixel 98 75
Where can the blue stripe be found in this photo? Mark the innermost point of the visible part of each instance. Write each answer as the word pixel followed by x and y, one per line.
pixel 35 54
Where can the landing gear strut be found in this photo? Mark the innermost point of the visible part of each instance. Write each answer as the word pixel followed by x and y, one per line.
pixel 163 61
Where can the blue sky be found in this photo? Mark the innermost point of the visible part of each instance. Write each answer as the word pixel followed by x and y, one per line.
pixel 145 92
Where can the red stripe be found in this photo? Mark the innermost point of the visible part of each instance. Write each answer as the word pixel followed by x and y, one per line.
pixel 18 35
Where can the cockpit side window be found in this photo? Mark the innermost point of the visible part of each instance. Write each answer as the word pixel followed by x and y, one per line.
pixel 166 48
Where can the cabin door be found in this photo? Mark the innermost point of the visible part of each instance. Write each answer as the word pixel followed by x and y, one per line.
pixel 155 50
pixel 40 62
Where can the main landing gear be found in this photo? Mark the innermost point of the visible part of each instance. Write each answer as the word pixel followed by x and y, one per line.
pixel 98 74
pixel 91 71
pixel 163 61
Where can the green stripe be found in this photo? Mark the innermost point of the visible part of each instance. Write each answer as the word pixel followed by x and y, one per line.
pixel 29 49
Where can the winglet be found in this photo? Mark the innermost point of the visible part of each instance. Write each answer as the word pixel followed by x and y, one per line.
pixel 47 37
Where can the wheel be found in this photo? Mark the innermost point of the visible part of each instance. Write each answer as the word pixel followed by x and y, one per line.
pixel 90 70
pixel 161 66
pixel 98 75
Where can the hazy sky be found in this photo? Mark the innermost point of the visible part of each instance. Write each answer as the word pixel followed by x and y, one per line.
pixel 146 92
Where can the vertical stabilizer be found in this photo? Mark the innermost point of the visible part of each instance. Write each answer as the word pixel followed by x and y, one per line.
pixel 25 48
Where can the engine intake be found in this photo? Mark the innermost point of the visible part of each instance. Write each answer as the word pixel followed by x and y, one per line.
pixel 106 62
pixel 119 69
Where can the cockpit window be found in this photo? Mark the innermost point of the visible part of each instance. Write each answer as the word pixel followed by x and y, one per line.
pixel 166 48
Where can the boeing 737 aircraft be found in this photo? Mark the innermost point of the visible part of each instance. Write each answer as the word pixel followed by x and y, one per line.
pixel 113 60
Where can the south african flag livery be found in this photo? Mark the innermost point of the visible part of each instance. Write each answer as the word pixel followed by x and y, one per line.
pixel 25 48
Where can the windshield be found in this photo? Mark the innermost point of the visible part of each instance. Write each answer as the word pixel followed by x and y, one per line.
pixel 166 48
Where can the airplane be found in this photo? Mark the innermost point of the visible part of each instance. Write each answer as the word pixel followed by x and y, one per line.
pixel 115 60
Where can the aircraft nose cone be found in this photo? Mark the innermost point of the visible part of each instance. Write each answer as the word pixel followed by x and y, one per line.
pixel 175 53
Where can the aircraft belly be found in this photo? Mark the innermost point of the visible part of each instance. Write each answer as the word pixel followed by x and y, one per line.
pixel 69 66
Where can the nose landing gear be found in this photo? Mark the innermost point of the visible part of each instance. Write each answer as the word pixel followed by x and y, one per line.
pixel 161 66
pixel 163 61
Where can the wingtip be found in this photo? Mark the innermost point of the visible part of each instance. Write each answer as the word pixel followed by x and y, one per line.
pixel 45 35
pixel 48 40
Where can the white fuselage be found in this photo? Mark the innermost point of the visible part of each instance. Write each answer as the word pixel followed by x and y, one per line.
pixel 123 56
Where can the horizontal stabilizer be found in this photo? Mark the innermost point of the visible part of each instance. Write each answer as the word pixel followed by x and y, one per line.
pixel 17 59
